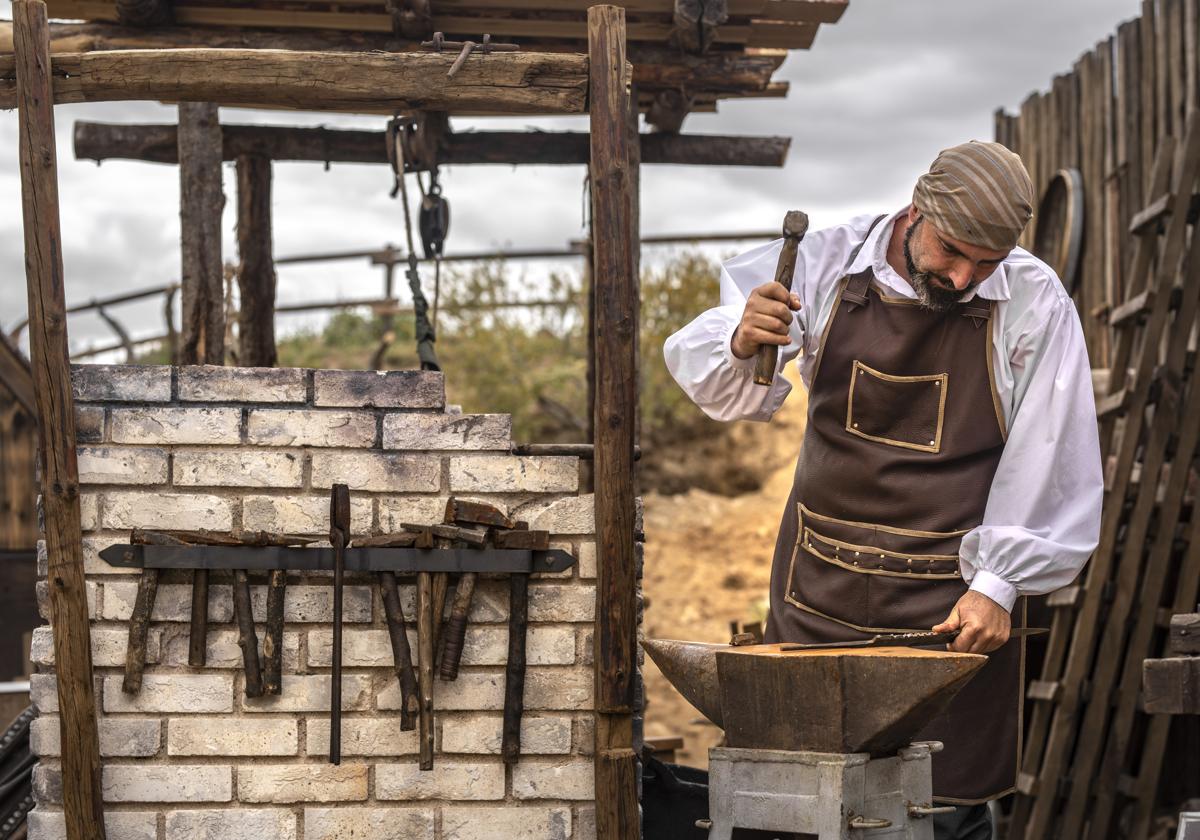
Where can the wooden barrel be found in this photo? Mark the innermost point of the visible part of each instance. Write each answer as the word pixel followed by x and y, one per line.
pixel 1058 231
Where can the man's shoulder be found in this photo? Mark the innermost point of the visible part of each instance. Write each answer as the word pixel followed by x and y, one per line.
pixel 1032 282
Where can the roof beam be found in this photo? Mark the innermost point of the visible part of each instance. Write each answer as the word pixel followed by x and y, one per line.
pixel 157 144
pixel 507 83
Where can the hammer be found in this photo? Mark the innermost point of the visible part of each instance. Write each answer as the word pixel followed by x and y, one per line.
pixel 339 534
pixel 795 225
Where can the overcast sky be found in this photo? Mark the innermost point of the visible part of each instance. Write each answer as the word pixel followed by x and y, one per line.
pixel 871 104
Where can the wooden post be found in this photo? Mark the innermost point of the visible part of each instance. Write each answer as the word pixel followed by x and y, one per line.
pixel 256 271
pixel 200 204
pixel 82 805
pixel 616 376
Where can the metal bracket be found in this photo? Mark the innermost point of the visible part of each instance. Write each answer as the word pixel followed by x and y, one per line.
pixel 402 560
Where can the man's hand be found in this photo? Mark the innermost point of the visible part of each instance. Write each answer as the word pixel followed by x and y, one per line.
pixel 765 320
pixel 984 624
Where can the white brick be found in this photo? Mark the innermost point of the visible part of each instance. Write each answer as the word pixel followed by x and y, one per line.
pixel 481 733
pixel 570 778
pixel 407 430
pixel 232 736
pixel 562 602
pixel 237 468
pixel 89 423
pixel 231 824
pixel 422 510
pixel 186 693
pixel 377 471
pixel 119 737
pixel 513 474
pixel 42 590
pixel 311 694
pixel 379 389
pixel 302 603
pixel 94 564
pixel 221 648
pixel 309 427
pixel 89 511
pixel 214 383
pixel 585 822
pixel 301 515
pixel 360 648
pixel 559 689
pixel 574 515
pixel 167 511
pixel 43 693
pixel 109 645
pixel 175 425
pixel 587 560
pixel 302 783
pixel 122 465
pixel 172 602
pixel 492 823
pixel 363 736
pixel 119 825
pixel 121 383
pixel 471 691
pixel 449 779
pixel 368 823
pixel 163 783
pixel 47 783
pixel 544 646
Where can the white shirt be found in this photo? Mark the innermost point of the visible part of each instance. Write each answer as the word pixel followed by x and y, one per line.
pixel 1042 518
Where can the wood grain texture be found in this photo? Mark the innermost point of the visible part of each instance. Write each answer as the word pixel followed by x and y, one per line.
pixel 202 338
pixel 410 705
pixel 272 679
pixel 498 83
pixel 514 669
pixel 256 266
pixel 49 362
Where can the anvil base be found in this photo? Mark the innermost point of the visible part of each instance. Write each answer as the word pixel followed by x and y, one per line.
pixel 828 795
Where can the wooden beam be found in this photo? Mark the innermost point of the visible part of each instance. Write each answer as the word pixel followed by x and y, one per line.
pixel 158 144
pixel 256 268
pixel 696 23
pixel 143 12
pixel 655 67
pixel 1172 686
pixel 83 810
pixel 614 274
pixel 16 376
pixel 507 83
pixel 202 340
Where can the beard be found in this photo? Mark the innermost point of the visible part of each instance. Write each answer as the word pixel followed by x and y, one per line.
pixel 934 291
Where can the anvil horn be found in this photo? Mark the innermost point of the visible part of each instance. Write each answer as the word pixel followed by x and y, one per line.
pixel 692 668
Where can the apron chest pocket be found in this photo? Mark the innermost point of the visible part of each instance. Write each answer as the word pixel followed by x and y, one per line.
pixel 904 411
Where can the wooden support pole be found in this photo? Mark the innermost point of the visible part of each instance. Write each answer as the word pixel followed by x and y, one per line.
pixel 201 202
pixel 256 268
pixel 506 83
pixel 158 144
pixel 615 335
pixel 83 809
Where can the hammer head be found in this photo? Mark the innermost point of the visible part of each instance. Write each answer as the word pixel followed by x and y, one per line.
pixel 795 224
pixel 339 513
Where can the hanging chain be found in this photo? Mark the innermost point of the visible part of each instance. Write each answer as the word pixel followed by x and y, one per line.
pixel 424 329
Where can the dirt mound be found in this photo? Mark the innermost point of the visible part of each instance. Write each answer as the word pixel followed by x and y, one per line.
pixel 708 558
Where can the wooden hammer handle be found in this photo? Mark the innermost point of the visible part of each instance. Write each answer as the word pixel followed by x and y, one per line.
pixel 456 627
pixel 795 225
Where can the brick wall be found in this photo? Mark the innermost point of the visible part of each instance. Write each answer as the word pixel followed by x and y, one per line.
pixel 190 756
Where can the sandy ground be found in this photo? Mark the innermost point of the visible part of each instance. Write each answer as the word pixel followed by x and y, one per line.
pixel 708 563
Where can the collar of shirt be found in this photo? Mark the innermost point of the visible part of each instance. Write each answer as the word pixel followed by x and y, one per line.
pixel 874 256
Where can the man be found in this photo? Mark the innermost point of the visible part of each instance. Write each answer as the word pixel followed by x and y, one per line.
pixel 950 463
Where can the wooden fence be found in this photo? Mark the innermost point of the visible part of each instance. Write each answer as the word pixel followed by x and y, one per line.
pixel 1105 119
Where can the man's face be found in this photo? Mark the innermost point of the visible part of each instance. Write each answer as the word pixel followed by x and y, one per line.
pixel 943 269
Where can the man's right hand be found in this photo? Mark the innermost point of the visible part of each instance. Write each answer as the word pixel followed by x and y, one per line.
pixel 765 320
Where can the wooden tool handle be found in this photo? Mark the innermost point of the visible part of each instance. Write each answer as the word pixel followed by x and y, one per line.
pixel 339 533
pixel 795 225
pixel 514 672
pixel 273 637
pixel 198 628
pixel 425 666
pixel 247 638
pixel 139 624
pixel 456 627
pixel 410 705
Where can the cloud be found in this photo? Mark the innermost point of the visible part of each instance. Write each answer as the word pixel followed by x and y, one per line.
pixel 870 105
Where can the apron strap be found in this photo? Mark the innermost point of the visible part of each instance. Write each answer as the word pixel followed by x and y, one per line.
pixel 979 315
pixel 855 292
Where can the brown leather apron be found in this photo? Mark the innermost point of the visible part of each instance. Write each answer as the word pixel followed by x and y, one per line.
pixel 904 434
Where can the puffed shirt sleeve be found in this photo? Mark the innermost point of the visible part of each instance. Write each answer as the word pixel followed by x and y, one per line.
pixel 699 355
pixel 1042 519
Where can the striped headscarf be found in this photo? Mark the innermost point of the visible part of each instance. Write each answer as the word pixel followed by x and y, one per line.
pixel 978 192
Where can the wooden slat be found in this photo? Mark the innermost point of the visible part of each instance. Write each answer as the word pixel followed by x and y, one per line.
pixel 1067 597
pixel 16 376
pixel 1136 307
pixel 1043 690
pixel 503 82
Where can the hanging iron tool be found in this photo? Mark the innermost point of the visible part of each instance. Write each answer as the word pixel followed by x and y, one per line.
pixel 339 535
pixel 424 329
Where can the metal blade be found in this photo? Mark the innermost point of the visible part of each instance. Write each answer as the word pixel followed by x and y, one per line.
pixel 906 640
